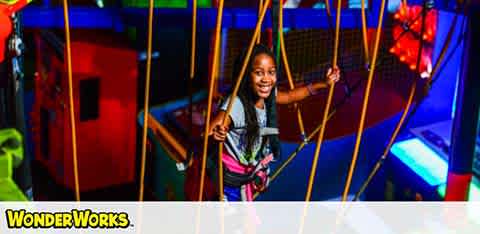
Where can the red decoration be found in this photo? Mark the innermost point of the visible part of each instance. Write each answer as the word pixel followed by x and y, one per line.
pixel 5 31
pixel 105 105
pixel 407 37
pixel 6 24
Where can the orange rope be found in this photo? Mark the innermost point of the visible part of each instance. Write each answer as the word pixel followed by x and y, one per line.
pixel 194 34
pixel 216 92
pixel 327 7
pixel 210 98
pixel 327 107
pixel 365 103
pixel 192 74
pixel 70 98
pixel 287 70
pixel 260 7
pixel 364 33
pixel 146 97
pixel 235 90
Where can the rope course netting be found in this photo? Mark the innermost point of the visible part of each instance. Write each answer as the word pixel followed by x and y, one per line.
pixel 309 53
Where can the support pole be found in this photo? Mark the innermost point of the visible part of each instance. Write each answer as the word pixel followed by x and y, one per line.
pixel 275 42
pixel 465 123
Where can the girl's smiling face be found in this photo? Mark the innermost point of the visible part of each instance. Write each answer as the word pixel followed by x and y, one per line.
pixel 263 75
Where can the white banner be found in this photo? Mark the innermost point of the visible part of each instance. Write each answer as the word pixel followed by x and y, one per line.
pixel 236 218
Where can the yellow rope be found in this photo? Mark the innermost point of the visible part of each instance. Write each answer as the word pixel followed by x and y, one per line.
pixel 287 70
pixel 146 97
pixel 194 36
pixel 189 157
pixel 337 33
pixel 70 97
pixel 365 103
pixel 235 90
pixel 217 68
pixel 260 7
pixel 327 7
pixel 210 98
pixel 364 33
pixel 327 108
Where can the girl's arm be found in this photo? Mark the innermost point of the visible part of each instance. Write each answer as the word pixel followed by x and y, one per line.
pixel 217 131
pixel 300 93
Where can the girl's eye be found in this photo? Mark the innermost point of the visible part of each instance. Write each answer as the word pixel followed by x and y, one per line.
pixel 272 73
pixel 259 73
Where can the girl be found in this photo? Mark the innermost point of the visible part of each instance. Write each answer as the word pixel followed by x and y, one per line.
pixel 250 135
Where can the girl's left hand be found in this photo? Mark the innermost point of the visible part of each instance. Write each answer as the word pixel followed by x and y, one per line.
pixel 220 133
pixel 333 75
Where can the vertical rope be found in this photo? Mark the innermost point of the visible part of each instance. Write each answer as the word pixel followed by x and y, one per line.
pixel 327 7
pixel 289 74
pixel 210 98
pixel 327 107
pixel 146 99
pixel 190 80
pixel 218 66
pixel 365 103
pixel 260 7
pixel 365 35
pixel 194 38
pixel 70 98
pixel 337 33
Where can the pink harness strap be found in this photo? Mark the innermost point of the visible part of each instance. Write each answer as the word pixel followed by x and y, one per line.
pixel 233 165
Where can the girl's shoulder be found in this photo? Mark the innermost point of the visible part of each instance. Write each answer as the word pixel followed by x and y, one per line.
pixel 237 113
pixel 237 103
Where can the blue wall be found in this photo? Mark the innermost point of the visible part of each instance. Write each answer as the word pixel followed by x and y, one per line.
pixel 440 101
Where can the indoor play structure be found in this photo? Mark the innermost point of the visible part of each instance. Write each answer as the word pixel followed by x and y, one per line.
pixel 121 92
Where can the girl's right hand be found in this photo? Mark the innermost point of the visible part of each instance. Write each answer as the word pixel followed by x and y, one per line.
pixel 220 133
pixel 333 75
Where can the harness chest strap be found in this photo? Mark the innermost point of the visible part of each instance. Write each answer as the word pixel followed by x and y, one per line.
pixel 239 175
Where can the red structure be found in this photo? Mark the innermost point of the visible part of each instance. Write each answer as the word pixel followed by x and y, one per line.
pixel 408 40
pixel 6 23
pixel 5 31
pixel 105 104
